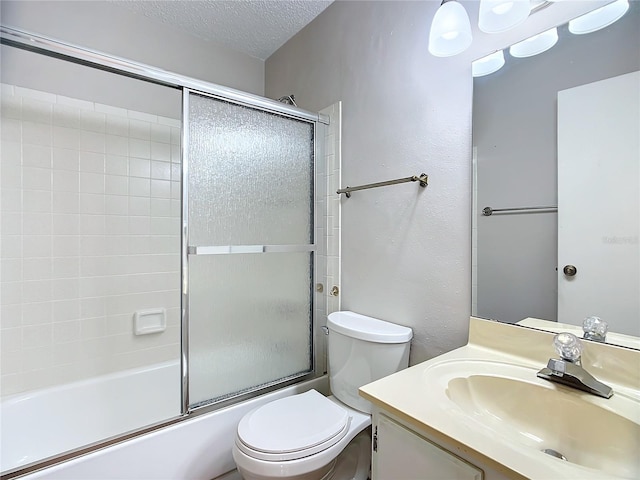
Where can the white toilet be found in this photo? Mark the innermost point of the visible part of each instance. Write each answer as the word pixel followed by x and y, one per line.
pixel 313 437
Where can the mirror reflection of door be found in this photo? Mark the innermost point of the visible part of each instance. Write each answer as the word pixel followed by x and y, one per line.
pixel 599 203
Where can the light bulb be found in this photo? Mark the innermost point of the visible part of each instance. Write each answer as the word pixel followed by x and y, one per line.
pixel 488 65
pixel 535 45
pixel 450 30
pixel 599 18
pixel 499 15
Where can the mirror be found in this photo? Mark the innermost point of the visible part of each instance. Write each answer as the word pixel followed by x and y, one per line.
pixel 517 151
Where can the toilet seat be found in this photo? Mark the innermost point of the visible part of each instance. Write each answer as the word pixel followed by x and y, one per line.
pixel 292 427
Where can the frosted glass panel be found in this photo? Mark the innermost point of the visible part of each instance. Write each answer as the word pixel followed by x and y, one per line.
pixel 250 176
pixel 250 321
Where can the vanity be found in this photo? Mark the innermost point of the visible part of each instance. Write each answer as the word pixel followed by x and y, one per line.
pixel 481 412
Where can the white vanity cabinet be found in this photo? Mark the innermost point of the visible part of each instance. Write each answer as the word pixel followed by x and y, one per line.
pixel 403 454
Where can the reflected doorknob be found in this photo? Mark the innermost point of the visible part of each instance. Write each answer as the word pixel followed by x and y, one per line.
pixel 569 270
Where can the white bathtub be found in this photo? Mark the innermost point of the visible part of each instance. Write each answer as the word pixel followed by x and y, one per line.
pixel 39 424
pixel 42 423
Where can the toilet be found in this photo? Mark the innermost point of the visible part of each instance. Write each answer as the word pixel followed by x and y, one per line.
pixel 312 437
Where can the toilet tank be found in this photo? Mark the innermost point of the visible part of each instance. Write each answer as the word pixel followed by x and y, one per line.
pixel 363 349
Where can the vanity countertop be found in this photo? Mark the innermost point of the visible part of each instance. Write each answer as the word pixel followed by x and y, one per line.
pixel 424 406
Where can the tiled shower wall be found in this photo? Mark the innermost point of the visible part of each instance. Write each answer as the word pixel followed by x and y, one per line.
pixel 333 162
pixel 90 233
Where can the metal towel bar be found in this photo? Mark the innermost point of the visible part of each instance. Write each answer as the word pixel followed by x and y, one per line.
pixel 488 211
pixel 422 178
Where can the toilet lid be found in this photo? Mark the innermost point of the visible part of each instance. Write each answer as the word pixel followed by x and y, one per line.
pixel 292 427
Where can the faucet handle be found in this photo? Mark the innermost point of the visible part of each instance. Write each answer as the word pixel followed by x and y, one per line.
pixel 568 346
pixel 595 328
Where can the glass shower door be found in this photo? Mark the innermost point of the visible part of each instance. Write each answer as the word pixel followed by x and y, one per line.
pixel 250 248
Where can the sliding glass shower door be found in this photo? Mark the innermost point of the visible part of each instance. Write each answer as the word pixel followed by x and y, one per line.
pixel 249 248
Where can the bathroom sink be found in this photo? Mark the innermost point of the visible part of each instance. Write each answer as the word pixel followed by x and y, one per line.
pixel 553 423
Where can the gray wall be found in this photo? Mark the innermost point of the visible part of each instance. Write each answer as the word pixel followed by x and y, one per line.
pixel 106 27
pixel 406 251
pixel 514 131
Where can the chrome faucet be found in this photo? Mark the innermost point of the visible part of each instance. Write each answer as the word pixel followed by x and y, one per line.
pixel 568 370
pixel 595 329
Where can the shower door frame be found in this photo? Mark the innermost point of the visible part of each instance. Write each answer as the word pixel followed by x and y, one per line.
pixel 47 46
pixel 315 248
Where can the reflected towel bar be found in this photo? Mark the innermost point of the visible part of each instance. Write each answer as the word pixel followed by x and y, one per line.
pixel 422 178
pixel 488 211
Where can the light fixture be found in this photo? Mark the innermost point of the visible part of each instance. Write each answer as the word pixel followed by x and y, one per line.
pixel 535 45
pixel 496 16
pixel 599 18
pixel 450 30
pixel 488 65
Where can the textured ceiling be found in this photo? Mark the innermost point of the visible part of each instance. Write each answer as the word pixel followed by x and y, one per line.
pixel 255 27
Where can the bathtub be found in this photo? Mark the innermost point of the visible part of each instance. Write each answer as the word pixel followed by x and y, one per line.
pixel 39 424
pixel 42 423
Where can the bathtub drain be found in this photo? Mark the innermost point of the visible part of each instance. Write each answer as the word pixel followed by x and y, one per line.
pixel 554 453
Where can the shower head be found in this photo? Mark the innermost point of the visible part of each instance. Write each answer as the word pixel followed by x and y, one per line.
pixel 289 100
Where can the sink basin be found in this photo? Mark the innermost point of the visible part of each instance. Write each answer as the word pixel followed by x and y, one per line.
pixel 542 418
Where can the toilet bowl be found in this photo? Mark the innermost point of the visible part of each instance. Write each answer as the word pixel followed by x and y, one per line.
pixel 316 431
pixel 312 437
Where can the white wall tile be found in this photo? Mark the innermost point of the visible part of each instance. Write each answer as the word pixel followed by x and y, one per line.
pixel 74 102
pixel 91 182
pixel 66 310
pixel 38 111
pixel 65 180
pixel 160 133
pixel 65 289
pixel 161 188
pixel 146 117
pixel 11 129
pixel 160 170
pixel 116 225
pixel 11 151
pixel 139 187
pixel 65 332
pixel 92 203
pixel 117 124
pixel 92 121
pixel 65 224
pixel 116 205
pixel 66 137
pixel 80 184
pixel 11 293
pixel 117 145
pixel 92 162
pixel 117 165
pixel 161 207
pixel 37 268
pixel 66 159
pixel 11 224
pixel 139 167
pixel 65 267
pixel 66 116
pixel 139 148
pixel 66 202
pixel 36 246
pixel 36 156
pixel 92 225
pixel 37 133
pixel 92 142
pixel 36 313
pixel 11 107
pixel 11 270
